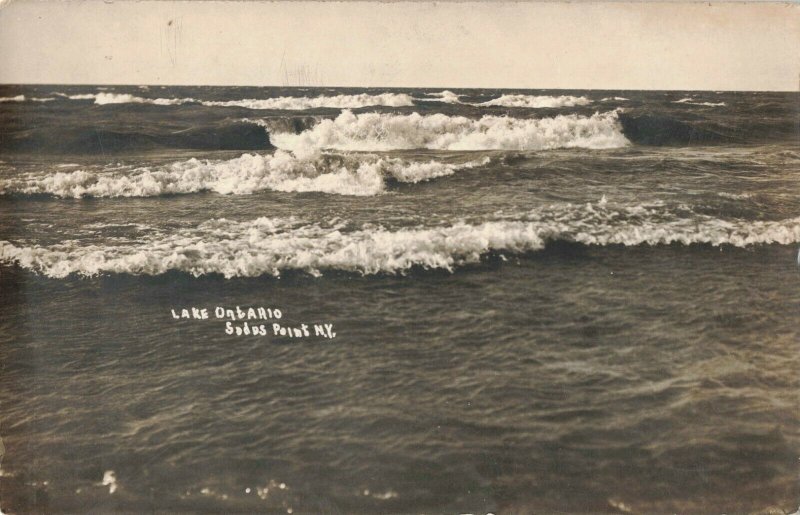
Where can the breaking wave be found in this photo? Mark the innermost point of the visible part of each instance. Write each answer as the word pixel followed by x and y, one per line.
pixel 529 101
pixel 338 101
pixel 380 132
pixel 18 98
pixel 275 245
pixel 359 175
pixel 692 101
pixel 279 103
pixel 446 96
pixel 532 101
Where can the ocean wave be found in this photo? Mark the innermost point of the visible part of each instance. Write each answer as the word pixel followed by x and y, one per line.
pixel 125 98
pixel 88 137
pixel 275 245
pixel 359 175
pixel 83 96
pixel 104 98
pixel 381 132
pixel 338 101
pixel 446 96
pixel 529 101
pixel 692 101
pixel 279 103
pixel 616 99
pixel 536 101
pixel 23 98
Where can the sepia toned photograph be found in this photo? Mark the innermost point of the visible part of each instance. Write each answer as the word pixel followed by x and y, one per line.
pixel 403 257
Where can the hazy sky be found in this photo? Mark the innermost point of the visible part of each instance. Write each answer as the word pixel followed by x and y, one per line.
pixel 458 44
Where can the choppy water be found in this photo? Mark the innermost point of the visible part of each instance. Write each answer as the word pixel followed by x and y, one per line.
pixel 579 301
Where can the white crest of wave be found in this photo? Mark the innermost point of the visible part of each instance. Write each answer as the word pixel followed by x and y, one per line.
pixel 446 96
pixel 381 132
pixel 358 175
pixel 536 101
pixel 279 103
pixel 337 101
pixel 692 101
pixel 23 98
pixel 125 98
pixel 82 96
pixel 273 245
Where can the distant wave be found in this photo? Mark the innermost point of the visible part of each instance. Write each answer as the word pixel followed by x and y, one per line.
pixel 279 103
pixel 327 173
pixel 123 98
pixel 335 101
pixel 692 101
pixel 338 101
pixel 534 101
pixel 379 132
pixel 529 101
pixel 23 98
pixel 275 245
pixel 617 99
pixel 446 96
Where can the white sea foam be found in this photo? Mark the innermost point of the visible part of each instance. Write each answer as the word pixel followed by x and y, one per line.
pixel 446 96
pixel 86 96
pixel 691 101
pixel 23 98
pixel 617 99
pixel 110 480
pixel 275 245
pixel 734 196
pixel 536 101
pixel 327 173
pixel 380 132
pixel 529 101
pixel 279 103
pixel 125 98
pixel 337 101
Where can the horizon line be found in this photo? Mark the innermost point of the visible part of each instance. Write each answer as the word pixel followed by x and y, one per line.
pixel 87 84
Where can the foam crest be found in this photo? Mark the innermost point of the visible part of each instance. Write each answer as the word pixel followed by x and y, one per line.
pixel 446 96
pixel 536 101
pixel 279 103
pixel 18 98
pixel 381 132
pixel 83 96
pixel 337 101
pixel 358 175
pixel 273 245
pixel 691 101
pixel 125 98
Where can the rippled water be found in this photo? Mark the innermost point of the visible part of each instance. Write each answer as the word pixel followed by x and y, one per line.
pixel 543 301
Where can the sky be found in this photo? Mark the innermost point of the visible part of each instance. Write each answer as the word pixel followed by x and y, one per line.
pixel 577 45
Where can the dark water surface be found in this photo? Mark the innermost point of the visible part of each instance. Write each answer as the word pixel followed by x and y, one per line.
pixel 574 301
